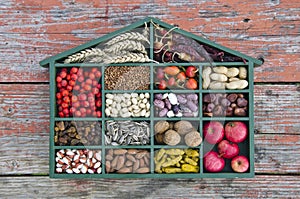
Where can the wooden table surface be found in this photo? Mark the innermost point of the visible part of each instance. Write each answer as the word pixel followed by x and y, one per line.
pixel 31 30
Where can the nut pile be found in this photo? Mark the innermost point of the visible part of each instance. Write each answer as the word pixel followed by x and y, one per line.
pixel 76 133
pixel 78 161
pixel 225 105
pixel 127 78
pixel 176 161
pixel 173 133
pixel 127 133
pixel 79 92
pixel 221 77
pixel 127 105
pixel 176 105
pixel 127 161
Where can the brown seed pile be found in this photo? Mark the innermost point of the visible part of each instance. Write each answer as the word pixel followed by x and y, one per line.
pixel 127 78
pixel 127 161
pixel 75 133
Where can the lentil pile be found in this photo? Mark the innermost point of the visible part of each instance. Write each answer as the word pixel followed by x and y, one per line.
pixel 76 133
pixel 127 78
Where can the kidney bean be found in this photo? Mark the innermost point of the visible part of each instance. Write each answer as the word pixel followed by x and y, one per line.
pixel 181 99
pixel 192 97
pixel 159 103
pixel 163 112
pixel 192 106
pixel 168 105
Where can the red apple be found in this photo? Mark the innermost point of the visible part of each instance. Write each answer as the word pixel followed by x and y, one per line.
pixel 236 131
pixel 213 132
pixel 213 162
pixel 240 164
pixel 227 149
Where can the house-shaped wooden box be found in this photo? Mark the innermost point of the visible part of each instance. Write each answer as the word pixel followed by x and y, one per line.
pixel 151 101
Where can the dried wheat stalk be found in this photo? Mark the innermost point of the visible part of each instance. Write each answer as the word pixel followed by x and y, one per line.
pixel 128 57
pixel 128 36
pixel 127 45
pixel 82 55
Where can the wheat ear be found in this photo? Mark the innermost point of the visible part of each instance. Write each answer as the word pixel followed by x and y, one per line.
pixel 129 57
pixel 127 45
pixel 128 36
pixel 82 55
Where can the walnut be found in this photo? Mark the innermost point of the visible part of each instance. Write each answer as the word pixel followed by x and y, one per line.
pixel 172 138
pixel 161 127
pixel 183 127
pixel 193 139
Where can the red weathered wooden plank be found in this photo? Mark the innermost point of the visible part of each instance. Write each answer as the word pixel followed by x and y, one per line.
pixel 34 30
pixel 263 186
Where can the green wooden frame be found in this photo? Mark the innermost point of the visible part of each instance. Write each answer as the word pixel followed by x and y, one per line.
pixel 53 63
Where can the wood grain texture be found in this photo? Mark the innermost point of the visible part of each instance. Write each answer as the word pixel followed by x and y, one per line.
pixel 33 30
pixel 24 112
pixel 43 187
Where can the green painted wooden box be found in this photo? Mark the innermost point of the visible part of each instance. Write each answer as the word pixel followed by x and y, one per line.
pixel 112 105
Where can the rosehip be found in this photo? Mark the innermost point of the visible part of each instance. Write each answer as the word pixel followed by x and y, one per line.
pixel 88 111
pixel 60 109
pixel 99 114
pixel 58 96
pixel 72 82
pixel 64 105
pixel 95 83
pixel 95 91
pixel 61 114
pixel 86 73
pixel 72 110
pixel 99 86
pixel 80 79
pixel 65 93
pixel 87 87
pixel 162 85
pixel 69 88
pixel 58 79
pixel 80 72
pixel 76 104
pixel 58 85
pixel 64 83
pixel 66 99
pixel 171 81
pixel 98 103
pixel 76 88
pixel 82 110
pixel 98 74
pixel 74 98
pixel 82 97
pixel 74 70
pixel 89 81
pixel 91 99
pixel 191 84
pixel 68 77
pixel 86 104
pixel 98 95
pixel 74 77
pixel 93 70
pixel 63 74
pixel 91 76
pixel 59 101
pixel 77 113
pixel 66 111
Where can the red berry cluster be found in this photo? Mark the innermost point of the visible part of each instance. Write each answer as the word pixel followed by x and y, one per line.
pixel 79 92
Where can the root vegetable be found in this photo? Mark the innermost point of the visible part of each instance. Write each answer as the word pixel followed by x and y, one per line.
pixel 240 112
pixel 242 102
